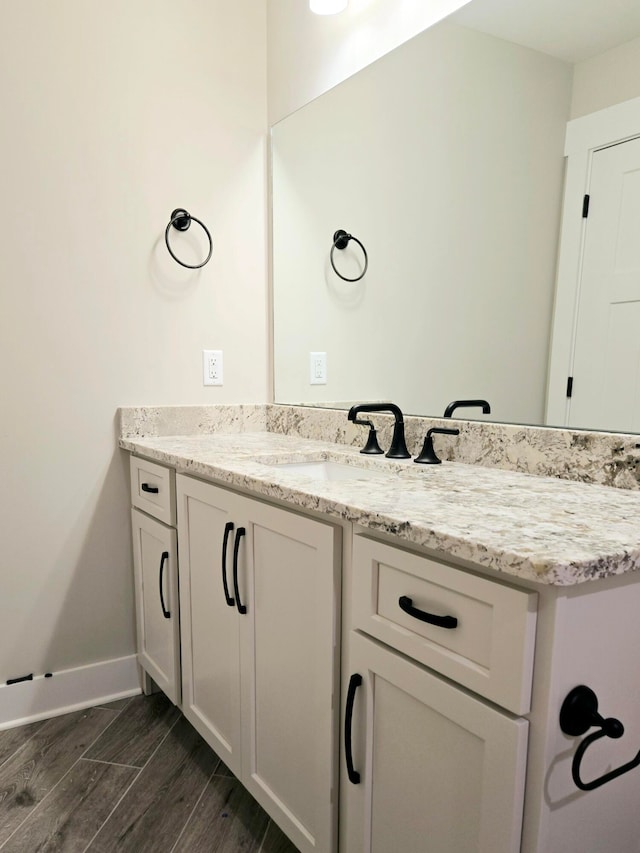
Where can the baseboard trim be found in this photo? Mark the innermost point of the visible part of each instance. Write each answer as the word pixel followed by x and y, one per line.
pixel 68 690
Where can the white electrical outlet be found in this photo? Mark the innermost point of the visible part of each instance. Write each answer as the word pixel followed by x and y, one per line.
pixel 318 368
pixel 212 366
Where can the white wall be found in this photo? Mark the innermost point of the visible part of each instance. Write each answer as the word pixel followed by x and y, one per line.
pixel 606 79
pixel 446 159
pixel 113 114
pixel 308 53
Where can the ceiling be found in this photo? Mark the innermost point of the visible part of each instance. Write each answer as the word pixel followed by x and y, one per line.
pixel 571 30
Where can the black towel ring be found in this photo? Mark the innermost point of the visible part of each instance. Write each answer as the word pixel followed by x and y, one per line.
pixel 181 220
pixel 578 714
pixel 341 241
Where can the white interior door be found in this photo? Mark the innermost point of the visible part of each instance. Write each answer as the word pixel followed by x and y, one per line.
pixel 606 365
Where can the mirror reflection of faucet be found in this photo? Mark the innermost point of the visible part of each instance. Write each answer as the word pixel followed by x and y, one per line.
pixel 398 449
pixel 465 404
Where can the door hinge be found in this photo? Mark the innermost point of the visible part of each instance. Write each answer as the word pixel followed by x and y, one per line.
pixel 585 206
pixel 569 386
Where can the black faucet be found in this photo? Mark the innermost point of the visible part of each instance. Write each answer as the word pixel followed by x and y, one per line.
pixel 459 404
pixel 398 449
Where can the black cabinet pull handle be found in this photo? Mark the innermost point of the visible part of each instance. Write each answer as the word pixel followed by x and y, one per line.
pixel 163 560
pixel 236 547
pixel 354 682
pixel 152 490
pixel 406 604
pixel 579 713
pixel 227 531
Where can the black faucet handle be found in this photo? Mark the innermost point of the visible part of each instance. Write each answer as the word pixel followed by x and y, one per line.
pixel 371 447
pixel 427 455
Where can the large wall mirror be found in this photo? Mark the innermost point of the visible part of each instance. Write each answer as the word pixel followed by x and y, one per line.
pixel 445 158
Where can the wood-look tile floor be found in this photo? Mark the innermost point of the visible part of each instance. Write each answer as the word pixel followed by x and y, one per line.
pixel 130 776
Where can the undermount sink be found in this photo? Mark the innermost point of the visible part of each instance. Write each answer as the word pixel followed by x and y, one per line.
pixel 327 470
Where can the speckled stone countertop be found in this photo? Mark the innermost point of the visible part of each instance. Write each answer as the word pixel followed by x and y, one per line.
pixel 538 528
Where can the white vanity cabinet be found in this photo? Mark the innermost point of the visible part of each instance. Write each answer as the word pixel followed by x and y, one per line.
pixel 260 615
pixel 428 766
pixel 338 668
pixel 155 561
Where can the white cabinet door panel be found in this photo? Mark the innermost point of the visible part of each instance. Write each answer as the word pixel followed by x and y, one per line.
pixel 290 672
pixel 210 640
pixel 440 770
pixel 155 560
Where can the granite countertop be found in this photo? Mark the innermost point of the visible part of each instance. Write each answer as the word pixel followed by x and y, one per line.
pixel 543 529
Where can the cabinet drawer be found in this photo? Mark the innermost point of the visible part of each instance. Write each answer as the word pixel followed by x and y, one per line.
pixel 153 489
pixel 485 644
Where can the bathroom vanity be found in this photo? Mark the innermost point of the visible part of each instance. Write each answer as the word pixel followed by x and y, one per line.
pixel 380 650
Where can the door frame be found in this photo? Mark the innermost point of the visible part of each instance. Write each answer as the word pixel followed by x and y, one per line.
pixel 584 137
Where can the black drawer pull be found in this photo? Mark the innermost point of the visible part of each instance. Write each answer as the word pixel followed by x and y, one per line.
pixel 163 560
pixel 354 682
pixel 406 604
pixel 152 490
pixel 227 531
pixel 236 547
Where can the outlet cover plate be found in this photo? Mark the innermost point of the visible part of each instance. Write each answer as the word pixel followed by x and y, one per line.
pixel 212 366
pixel 317 368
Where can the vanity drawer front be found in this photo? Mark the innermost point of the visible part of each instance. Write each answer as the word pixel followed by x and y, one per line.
pixel 153 489
pixel 485 644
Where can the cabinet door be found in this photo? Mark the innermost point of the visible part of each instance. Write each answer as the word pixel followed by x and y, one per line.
pixel 440 771
pixel 289 574
pixel 155 561
pixel 209 625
